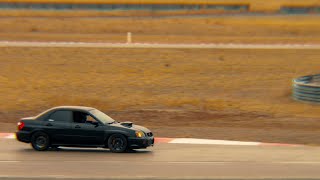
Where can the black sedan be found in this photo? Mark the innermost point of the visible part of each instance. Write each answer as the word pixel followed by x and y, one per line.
pixel 78 126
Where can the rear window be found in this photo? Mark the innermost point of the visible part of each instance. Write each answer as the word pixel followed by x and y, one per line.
pixel 61 116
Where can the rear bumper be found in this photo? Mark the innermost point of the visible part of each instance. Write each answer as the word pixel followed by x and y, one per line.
pixel 139 143
pixel 23 136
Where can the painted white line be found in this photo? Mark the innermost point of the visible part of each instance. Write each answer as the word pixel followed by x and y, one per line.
pixel 74 177
pixel 183 162
pixel 199 162
pixel 298 162
pixel 213 142
pixel 157 45
pixel 10 161
pixel 251 162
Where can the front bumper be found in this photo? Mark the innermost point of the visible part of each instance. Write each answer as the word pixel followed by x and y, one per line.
pixel 139 143
pixel 23 136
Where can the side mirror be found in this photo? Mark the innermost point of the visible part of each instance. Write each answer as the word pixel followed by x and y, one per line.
pixel 96 124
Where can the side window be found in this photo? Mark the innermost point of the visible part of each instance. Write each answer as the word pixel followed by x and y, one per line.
pixel 90 119
pixel 81 117
pixel 61 116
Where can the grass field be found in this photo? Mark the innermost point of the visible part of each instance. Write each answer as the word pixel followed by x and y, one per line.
pixel 183 92
pixel 207 93
pixel 208 29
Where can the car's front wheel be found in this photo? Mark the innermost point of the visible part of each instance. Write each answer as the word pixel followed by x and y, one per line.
pixel 117 143
pixel 40 141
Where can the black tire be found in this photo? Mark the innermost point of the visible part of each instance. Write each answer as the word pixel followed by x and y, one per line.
pixel 40 141
pixel 117 143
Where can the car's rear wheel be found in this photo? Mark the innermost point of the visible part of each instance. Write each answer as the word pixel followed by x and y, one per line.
pixel 117 143
pixel 40 141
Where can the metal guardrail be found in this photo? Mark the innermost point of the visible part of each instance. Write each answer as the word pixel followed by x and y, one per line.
pixel 307 88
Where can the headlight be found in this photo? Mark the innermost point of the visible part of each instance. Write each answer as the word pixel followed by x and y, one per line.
pixel 139 134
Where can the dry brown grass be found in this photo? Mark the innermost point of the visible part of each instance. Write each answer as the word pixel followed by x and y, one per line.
pixel 225 94
pixel 250 29
pixel 200 79
pixel 230 89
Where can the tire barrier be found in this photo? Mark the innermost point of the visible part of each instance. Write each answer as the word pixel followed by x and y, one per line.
pixel 300 10
pixel 307 88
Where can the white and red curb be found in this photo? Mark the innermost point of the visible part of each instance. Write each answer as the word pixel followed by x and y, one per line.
pixel 219 142
pixel 193 141
pixel 7 136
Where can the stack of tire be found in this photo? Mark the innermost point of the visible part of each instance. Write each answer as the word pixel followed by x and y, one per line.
pixel 307 88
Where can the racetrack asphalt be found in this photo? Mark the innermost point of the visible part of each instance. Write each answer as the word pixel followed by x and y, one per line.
pixel 163 161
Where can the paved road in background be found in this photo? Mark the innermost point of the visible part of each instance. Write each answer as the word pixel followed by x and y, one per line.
pixel 164 161
pixel 156 45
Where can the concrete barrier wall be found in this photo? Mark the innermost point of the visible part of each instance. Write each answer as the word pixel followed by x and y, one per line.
pixel 253 5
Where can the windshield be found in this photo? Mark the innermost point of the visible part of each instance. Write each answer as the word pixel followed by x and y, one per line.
pixel 102 116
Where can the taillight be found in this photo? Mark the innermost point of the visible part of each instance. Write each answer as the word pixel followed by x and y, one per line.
pixel 20 125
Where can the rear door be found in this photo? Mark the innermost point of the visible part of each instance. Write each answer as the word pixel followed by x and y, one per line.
pixel 86 129
pixel 58 126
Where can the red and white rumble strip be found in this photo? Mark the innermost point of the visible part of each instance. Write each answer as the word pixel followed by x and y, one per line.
pixel 218 142
pixel 7 135
pixel 191 141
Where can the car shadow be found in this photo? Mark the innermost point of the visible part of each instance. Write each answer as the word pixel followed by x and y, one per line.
pixel 86 150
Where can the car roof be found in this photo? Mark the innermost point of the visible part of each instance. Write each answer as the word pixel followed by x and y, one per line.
pixel 74 108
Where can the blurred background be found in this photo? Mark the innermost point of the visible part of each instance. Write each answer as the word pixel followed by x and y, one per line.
pixel 234 94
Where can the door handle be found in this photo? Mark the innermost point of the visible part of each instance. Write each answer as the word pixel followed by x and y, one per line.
pixel 48 124
pixel 77 126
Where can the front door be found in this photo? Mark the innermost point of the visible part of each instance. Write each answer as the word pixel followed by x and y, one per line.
pixel 86 129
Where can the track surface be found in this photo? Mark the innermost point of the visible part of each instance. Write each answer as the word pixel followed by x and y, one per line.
pixel 160 162
pixel 156 45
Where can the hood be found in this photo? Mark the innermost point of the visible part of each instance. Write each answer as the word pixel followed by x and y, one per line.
pixel 130 125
